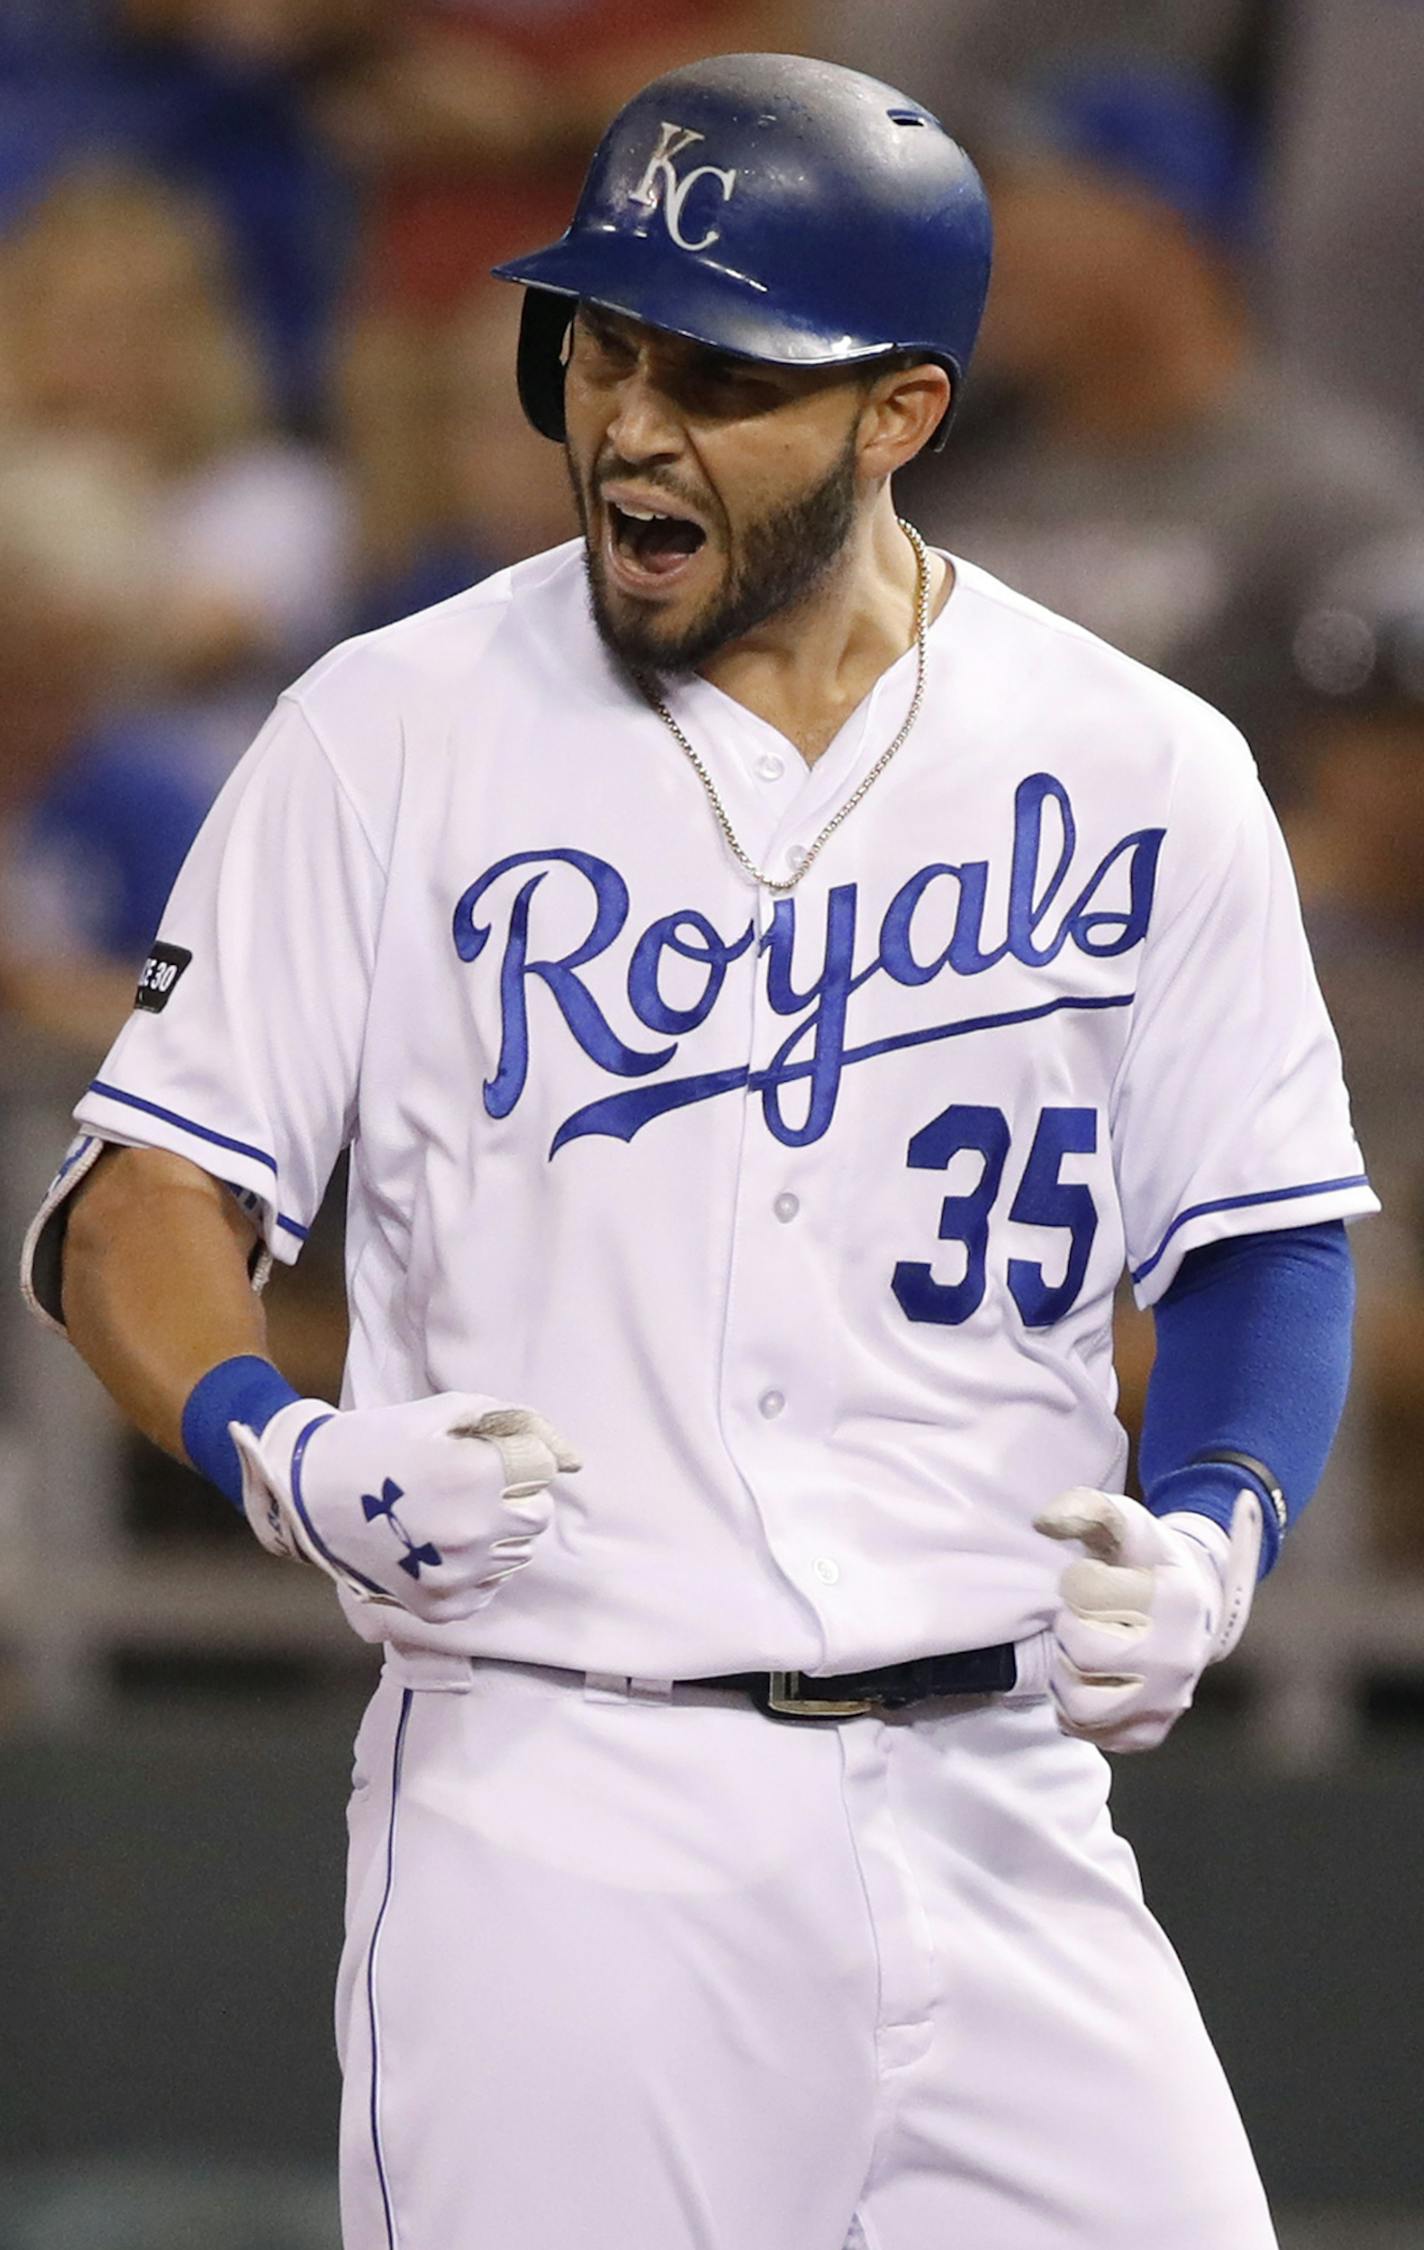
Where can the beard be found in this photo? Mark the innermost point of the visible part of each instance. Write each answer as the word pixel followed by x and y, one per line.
pixel 779 559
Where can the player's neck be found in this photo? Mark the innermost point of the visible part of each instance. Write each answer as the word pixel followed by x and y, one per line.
pixel 805 670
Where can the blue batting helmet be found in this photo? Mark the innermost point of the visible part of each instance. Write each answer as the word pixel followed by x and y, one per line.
pixel 776 208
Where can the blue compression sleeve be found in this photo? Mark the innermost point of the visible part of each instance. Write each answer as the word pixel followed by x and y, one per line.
pixel 246 1389
pixel 1253 1357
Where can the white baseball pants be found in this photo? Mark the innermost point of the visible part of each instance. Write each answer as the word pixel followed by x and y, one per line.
pixel 626 1972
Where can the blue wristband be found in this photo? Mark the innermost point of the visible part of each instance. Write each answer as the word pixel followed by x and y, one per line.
pixel 1212 1488
pixel 246 1389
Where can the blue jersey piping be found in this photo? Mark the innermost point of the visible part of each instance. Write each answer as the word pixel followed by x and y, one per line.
pixel 201 1133
pixel 1242 1203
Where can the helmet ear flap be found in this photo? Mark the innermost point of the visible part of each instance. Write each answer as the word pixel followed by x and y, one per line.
pixel 539 370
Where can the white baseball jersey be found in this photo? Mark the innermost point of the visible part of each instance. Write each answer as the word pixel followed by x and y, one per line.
pixel 800 1217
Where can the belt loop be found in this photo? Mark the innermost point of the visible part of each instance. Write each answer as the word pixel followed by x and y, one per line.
pixel 616 1687
pixel 1034 1664
pixel 429 1668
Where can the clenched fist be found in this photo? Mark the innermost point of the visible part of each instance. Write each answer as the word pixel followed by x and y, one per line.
pixel 1151 1602
pixel 430 1505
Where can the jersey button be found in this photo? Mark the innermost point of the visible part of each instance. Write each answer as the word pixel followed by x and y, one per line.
pixel 798 856
pixel 786 1206
pixel 827 1571
pixel 770 1404
pixel 770 767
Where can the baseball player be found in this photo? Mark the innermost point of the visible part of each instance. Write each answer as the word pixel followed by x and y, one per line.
pixel 771 980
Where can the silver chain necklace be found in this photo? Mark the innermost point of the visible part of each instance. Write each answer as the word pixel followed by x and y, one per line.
pixel 806 859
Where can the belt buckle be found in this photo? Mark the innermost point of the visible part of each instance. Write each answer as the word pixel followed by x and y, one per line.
pixel 786 1700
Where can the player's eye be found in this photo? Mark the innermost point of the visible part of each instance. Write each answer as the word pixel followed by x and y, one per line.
pixel 732 385
pixel 738 372
pixel 605 345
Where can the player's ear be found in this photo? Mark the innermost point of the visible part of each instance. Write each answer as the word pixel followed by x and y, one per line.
pixel 903 408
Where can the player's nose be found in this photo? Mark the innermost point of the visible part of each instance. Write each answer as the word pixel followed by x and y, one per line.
pixel 645 424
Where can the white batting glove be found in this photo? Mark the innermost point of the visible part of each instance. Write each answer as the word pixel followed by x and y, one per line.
pixel 1153 1601
pixel 429 1506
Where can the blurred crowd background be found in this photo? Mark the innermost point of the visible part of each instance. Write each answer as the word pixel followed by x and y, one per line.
pixel 256 394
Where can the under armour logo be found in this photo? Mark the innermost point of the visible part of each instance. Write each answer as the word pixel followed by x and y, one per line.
pixel 660 184
pixel 414 1557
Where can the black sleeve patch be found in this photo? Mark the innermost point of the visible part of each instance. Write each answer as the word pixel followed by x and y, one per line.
pixel 159 976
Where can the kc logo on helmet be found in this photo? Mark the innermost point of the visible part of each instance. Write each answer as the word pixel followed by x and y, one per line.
pixel 660 184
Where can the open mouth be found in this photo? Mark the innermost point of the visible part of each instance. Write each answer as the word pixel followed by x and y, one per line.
pixel 650 547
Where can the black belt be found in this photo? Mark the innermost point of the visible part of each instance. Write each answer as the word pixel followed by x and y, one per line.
pixel 889 1687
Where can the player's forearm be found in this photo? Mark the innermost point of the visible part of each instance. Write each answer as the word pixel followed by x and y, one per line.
pixel 156 1287
pixel 1253 1362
